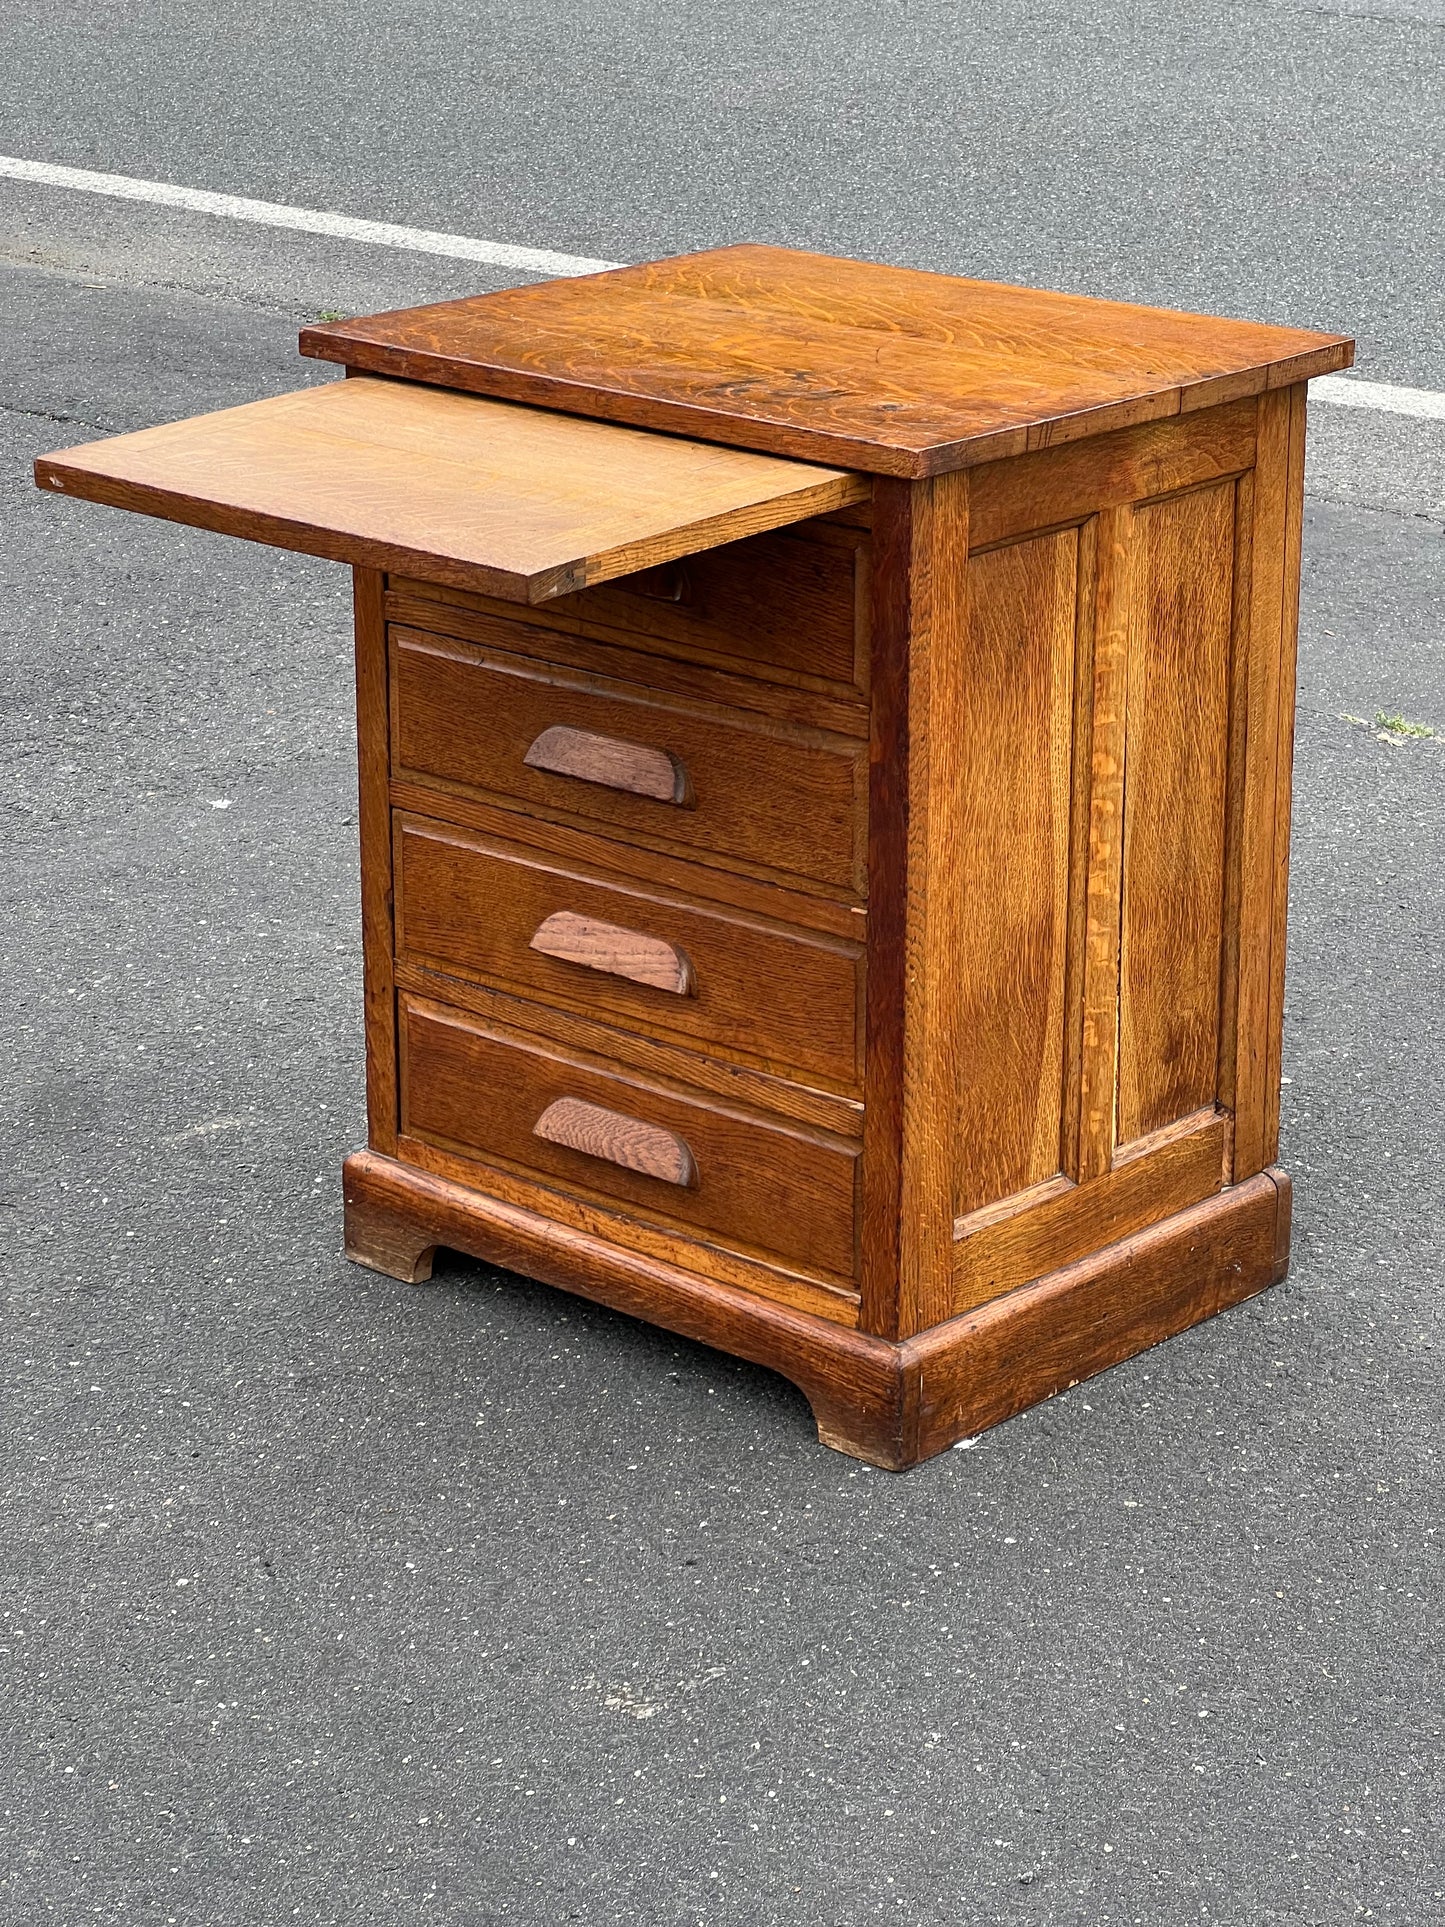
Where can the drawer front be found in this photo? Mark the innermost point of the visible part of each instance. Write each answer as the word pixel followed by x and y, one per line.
pixel 635 956
pixel 747 1182
pixel 781 605
pixel 608 755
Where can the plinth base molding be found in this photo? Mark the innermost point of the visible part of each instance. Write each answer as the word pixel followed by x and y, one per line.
pixel 891 1404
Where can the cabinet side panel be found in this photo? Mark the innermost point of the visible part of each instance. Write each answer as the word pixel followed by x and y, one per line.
pixel 934 1039
pixel 1176 792
pixel 881 1189
pixel 1269 676
pixel 1176 756
pixel 373 747
pixel 913 1044
pixel 1284 766
pixel 1101 879
pixel 1012 820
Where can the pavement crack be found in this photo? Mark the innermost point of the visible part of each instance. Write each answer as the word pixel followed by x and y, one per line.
pixel 51 415
pixel 1397 509
pixel 86 274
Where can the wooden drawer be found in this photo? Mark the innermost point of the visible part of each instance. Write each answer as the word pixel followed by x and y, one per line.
pixel 787 605
pixel 750 1183
pixel 689 777
pixel 629 954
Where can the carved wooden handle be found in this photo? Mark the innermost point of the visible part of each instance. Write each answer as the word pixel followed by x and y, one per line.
pixel 628 1141
pixel 621 953
pixel 607 760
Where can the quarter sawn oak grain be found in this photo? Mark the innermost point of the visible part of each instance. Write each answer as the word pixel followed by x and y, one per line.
pixel 511 501
pixel 763 1187
pixel 883 369
pixel 841 919
pixel 647 960
pixel 617 1139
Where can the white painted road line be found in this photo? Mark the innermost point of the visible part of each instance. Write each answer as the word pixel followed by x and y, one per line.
pixel 1339 391
pixel 340 227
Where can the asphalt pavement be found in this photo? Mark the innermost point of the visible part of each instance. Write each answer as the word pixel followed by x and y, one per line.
pixel 323 1598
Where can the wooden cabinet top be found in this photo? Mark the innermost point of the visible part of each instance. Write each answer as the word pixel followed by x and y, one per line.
pixel 888 370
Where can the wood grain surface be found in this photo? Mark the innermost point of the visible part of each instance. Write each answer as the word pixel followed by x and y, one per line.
pixel 620 1225
pixel 915 1031
pixel 373 751
pixel 895 536
pixel 637 768
pixel 1099 1044
pixel 784 1000
pixel 628 655
pixel 618 1139
pixel 763 1187
pixel 1171 929
pixel 675 1062
pixel 1115 1302
pixel 1060 485
pixel 791 607
pixel 780 900
pixel 1284 727
pixel 888 1403
pixel 1276 501
pixel 767 793
pixel 1012 812
pixel 882 369
pixel 616 951
pixel 513 501
pixel 1059 1222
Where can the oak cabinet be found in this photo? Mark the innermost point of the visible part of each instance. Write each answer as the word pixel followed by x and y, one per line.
pixel 825 741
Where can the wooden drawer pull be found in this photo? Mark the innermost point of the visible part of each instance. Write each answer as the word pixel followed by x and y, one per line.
pixel 607 760
pixel 628 1141
pixel 621 953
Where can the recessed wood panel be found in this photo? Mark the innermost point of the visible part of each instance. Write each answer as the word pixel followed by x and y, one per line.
pixel 1176 753
pixel 1061 1222
pixel 1012 817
